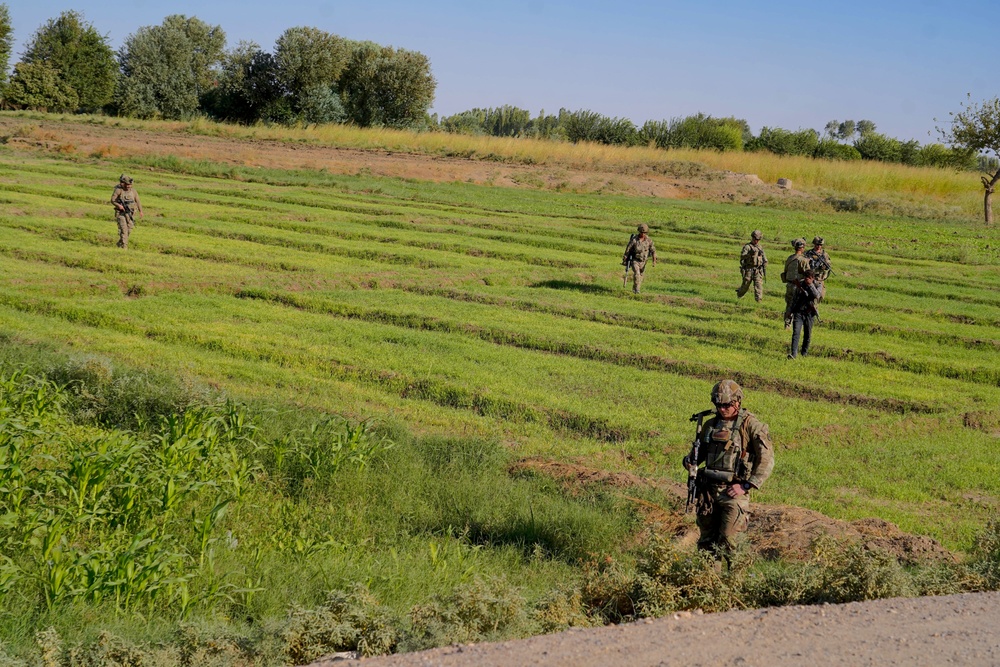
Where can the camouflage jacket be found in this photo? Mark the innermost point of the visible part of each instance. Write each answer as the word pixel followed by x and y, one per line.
pixel 752 257
pixel 126 198
pixel 820 263
pixel 795 268
pixel 640 248
pixel 749 453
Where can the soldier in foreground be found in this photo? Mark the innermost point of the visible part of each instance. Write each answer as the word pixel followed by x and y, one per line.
pixel 126 202
pixel 795 269
pixel 804 313
pixel 639 249
pixel 819 262
pixel 738 457
pixel 753 266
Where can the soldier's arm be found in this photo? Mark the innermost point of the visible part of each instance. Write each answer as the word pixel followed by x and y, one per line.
pixel 762 450
pixel 652 251
pixel 114 197
pixel 138 206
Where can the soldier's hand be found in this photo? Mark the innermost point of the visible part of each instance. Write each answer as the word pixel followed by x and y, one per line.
pixel 735 491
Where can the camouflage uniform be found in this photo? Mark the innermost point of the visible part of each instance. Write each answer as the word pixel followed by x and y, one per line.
pixel 795 269
pixel 128 198
pixel 735 452
pixel 819 261
pixel 753 264
pixel 639 248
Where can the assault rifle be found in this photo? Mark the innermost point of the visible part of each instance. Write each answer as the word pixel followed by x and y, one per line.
pixel 692 458
pixel 627 258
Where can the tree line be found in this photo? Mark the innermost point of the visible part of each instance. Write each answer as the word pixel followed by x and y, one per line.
pixel 182 68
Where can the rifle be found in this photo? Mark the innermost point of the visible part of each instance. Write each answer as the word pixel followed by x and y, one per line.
pixel 692 459
pixel 627 259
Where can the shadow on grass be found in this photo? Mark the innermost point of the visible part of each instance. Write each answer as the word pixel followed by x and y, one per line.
pixel 588 288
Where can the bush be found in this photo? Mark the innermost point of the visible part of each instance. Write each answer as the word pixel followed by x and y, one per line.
pixel 349 621
pixel 785 142
pixel 834 150
pixel 481 610
pixel 875 146
pixel 855 572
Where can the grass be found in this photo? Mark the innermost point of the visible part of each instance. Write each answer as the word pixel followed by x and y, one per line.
pixel 478 326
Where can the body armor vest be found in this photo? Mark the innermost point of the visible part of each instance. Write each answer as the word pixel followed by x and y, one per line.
pixel 726 457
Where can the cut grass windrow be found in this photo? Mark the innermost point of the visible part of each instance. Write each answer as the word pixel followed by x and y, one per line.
pixel 589 352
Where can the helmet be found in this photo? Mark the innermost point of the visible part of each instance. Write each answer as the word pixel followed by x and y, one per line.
pixel 726 391
pixel 643 228
pixel 817 240
pixel 124 179
pixel 799 243
pixel 757 234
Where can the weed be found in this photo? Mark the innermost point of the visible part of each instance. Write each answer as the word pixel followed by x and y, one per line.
pixel 348 621
pixel 480 610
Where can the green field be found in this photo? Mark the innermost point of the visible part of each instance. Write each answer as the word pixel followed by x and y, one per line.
pixel 498 316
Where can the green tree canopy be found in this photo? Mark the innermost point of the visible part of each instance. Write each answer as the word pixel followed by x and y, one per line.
pixel 167 68
pixel 248 89
pixel 6 44
pixel 80 55
pixel 308 57
pixel 976 128
pixel 38 86
pixel 386 86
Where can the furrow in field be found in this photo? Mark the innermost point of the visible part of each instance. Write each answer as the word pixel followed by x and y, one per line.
pixel 588 352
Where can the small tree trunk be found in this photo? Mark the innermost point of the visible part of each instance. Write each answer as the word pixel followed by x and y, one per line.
pixel 988 206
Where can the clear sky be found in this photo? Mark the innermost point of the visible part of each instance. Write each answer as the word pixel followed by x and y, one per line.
pixel 780 64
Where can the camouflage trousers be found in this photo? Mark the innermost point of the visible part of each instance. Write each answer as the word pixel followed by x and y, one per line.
pixel 729 517
pixel 755 278
pixel 637 270
pixel 125 226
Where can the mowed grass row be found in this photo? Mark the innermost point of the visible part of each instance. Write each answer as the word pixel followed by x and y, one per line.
pixel 500 312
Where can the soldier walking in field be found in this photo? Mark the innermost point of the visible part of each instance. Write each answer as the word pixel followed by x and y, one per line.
pixel 819 262
pixel 753 267
pixel 735 450
pixel 126 202
pixel 639 249
pixel 804 313
pixel 795 269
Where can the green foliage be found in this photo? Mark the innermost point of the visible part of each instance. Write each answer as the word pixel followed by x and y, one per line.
pixel 785 142
pixel 166 69
pixel 309 57
pixel 478 611
pixel 985 561
pixel 587 125
pixel 248 89
pixel 875 146
pixel 321 104
pixel 6 45
pixel 39 86
pixel 505 121
pixel 697 131
pixel 856 572
pixel 834 150
pixel 349 621
pixel 383 86
pixel 82 57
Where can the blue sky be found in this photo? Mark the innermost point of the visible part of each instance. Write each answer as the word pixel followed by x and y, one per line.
pixel 781 64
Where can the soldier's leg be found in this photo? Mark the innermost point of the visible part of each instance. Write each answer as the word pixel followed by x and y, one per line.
pixel 743 287
pixel 123 230
pixel 758 286
pixel 734 515
pixel 637 269
pixel 708 527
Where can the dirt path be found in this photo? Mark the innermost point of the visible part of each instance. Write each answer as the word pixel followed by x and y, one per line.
pixel 947 630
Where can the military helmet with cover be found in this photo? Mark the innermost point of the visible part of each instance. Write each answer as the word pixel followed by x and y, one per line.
pixel 643 228
pixel 757 234
pixel 726 391
pixel 799 243
pixel 125 179
pixel 818 240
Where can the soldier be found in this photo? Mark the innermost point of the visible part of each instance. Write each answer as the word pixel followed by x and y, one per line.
pixel 639 248
pixel 795 268
pixel 736 449
pixel 753 266
pixel 819 262
pixel 804 312
pixel 126 202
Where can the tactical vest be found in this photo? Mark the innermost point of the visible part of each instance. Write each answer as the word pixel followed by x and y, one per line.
pixel 753 258
pixel 726 457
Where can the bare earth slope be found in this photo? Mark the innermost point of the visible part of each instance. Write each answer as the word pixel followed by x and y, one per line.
pixel 947 630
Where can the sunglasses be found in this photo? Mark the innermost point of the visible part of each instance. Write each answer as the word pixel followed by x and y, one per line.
pixel 731 404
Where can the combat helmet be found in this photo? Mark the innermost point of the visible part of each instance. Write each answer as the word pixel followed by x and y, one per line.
pixel 799 243
pixel 726 391
pixel 757 234
pixel 125 179
pixel 643 228
pixel 817 240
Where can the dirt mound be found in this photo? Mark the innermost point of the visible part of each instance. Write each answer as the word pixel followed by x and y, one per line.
pixel 776 531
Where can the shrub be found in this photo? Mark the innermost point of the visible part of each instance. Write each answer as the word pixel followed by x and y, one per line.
pixel 477 611
pixel 855 572
pixel 785 142
pixel 349 621
pixel 834 150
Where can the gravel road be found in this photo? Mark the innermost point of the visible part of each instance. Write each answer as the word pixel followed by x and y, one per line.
pixel 946 630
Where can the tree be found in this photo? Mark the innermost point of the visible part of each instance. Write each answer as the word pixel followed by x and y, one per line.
pixel 864 127
pixel 847 129
pixel 976 128
pixel 38 86
pixel 248 89
pixel 80 55
pixel 386 86
pixel 167 68
pixel 6 44
pixel 831 128
pixel 310 57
